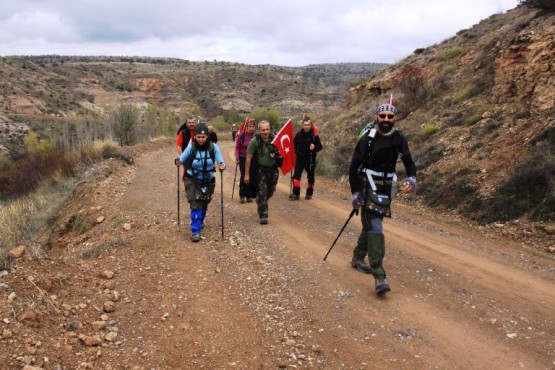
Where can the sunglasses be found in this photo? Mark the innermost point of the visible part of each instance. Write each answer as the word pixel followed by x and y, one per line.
pixel 201 136
pixel 389 116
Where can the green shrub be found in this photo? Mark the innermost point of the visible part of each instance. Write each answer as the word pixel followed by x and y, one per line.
pixel 453 194
pixel 449 69
pixel 475 118
pixel 529 188
pixel 78 224
pixel 5 163
pixel 428 154
pixel 430 129
pixel 450 53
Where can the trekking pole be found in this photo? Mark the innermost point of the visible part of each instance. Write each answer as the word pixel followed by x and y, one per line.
pixel 343 228
pixel 222 199
pixel 178 213
pixel 234 178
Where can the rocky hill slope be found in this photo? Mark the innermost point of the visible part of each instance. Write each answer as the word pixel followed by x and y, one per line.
pixel 479 111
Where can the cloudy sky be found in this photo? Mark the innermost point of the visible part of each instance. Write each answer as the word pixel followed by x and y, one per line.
pixel 281 32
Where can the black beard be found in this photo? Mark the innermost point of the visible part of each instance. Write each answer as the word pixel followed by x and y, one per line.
pixel 385 127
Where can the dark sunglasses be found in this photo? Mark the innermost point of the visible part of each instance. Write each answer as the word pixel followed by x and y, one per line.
pixel 389 116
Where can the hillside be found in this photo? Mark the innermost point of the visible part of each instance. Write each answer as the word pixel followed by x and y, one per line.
pixel 479 110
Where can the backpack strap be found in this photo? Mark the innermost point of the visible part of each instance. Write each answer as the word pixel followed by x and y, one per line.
pixel 211 153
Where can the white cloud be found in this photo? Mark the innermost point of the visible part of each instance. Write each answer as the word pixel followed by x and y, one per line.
pixel 286 32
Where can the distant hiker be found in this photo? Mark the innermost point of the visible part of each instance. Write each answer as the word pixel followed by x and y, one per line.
pixel 269 160
pixel 233 131
pixel 246 191
pixel 212 136
pixel 200 159
pixel 373 183
pixel 186 134
pixel 307 144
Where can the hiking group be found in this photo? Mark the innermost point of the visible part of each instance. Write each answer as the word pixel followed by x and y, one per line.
pixel 372 175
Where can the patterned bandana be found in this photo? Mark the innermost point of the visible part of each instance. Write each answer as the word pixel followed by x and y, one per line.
pixel 386 107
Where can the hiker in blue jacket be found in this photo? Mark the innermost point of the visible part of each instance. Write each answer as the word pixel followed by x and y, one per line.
pixel 201 159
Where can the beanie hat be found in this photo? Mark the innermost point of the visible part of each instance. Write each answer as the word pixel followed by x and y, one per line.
pixel 386 107
pixel 201 129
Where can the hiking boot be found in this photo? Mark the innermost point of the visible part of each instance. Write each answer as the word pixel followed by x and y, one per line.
pixel 308 197
pixel 359 264
pixel 309 193
pixel 382 287
pixel 195 238
pixel 263 220
pixel 249 200
pixel 242 200
pixel 294 197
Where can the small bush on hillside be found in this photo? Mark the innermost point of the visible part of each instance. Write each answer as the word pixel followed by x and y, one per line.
pixel 341 157
pixel 450 53
pixel 35 145
pixel 5 163
pixel 427 154
pixel 529 188
pixel 219 124
pixel 78 224
pixel 412 84
pixel 27 173
pixel 447 70
pixel 475 118
pixel 430 129
pixel 452 194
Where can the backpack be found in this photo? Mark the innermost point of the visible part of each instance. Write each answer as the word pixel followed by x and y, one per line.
pixel 194 155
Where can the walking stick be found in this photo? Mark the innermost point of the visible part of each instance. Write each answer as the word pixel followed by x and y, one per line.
pixel 234 178
pixel 222 199
pixel 178 213
pixel 343 228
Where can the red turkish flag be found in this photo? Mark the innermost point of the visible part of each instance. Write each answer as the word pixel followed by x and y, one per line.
pixel 284 143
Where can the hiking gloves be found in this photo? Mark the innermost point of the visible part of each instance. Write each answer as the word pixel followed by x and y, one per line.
pixel 356 201
pixel 409 185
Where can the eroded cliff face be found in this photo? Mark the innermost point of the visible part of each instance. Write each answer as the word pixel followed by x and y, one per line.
pixel 526 69
pixel 489 92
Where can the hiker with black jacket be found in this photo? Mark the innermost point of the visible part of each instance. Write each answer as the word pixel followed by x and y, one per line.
pixel 307 144
pixel 373 183
pixel 201 159
pixel 246 191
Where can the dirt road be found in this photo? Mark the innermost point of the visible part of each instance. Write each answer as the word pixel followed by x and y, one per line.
pixel 263 297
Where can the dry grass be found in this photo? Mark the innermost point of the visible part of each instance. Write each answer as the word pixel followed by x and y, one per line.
pixel 27 219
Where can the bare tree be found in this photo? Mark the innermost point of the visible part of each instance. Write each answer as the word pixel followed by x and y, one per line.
pixel 124 122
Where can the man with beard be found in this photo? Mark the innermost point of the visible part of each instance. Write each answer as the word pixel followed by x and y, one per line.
pixel 268 159
pixel 373 183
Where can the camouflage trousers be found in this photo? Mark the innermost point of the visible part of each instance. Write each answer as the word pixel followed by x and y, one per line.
pixel 267 181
